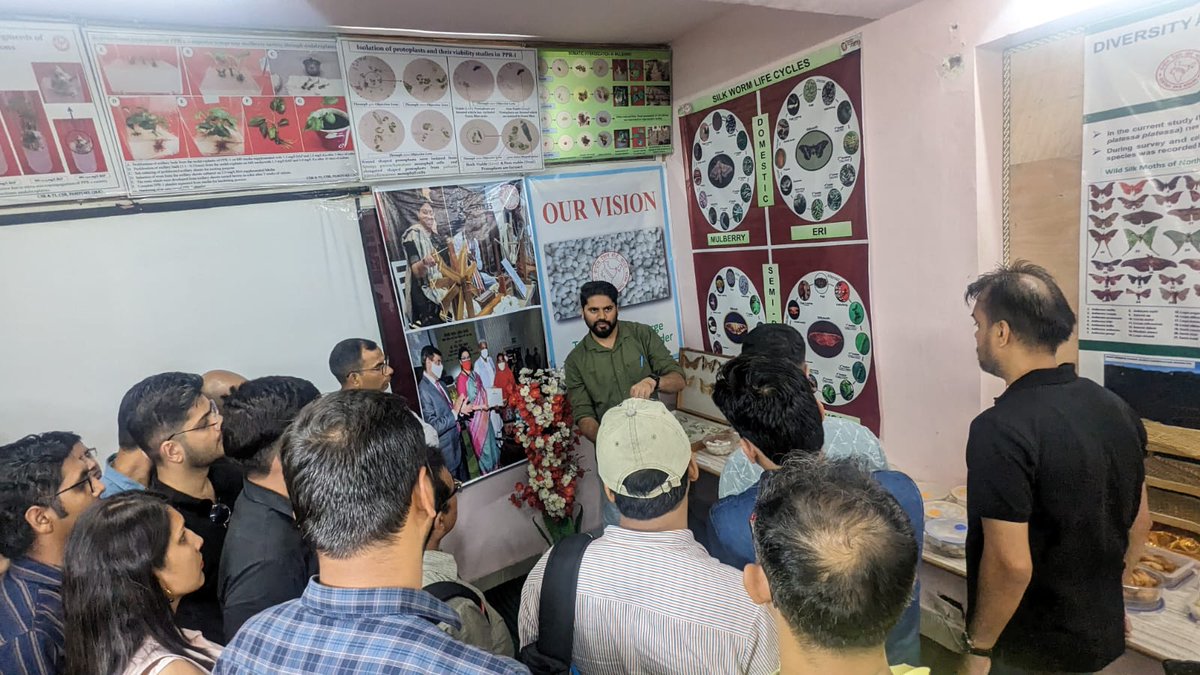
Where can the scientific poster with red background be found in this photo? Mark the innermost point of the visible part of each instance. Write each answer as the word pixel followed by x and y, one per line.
pixel 51 146
pixel 730 289
pixel 202 113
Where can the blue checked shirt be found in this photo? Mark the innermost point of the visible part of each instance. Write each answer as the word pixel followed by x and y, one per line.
pixel 339 631
pixel 31 619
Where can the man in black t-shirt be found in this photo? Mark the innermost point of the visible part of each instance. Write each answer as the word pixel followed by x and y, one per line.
pixel 1056 501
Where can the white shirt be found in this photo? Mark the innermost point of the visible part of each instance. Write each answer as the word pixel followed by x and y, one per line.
pixel 487 371
pixel 656 602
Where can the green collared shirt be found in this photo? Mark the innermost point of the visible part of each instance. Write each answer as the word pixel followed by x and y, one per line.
pixel 599 378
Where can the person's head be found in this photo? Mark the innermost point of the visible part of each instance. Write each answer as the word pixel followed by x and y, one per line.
pixel 599 301
pixel 425 216
pixel 1019 311
pixel 148 559
pixel 219 383
pixel 483 349
pixel 356 470
pixel 501 361
pixel 445 497
pixel 431 361
pixel 46 482
pixel 837 556
pixel 644 459
pixel 464 359
pixel 125 439
pixel 174 422
pixel 256 416
pixel 776 341
pixel 770 404
pixel 359 363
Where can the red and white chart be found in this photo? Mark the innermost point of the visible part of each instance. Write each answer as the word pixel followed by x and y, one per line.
pixel 817 140
pixel 830 314
pixel 722 170
pixel 734 309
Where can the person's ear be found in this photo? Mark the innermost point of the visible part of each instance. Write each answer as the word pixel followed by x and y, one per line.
pixel 805 368
pixel 693 470
pixel 172 452
pixel 755 581
pixel 612 497
pixel 423 495
pixel 748 448
pixel 41 519
pixel 1003 332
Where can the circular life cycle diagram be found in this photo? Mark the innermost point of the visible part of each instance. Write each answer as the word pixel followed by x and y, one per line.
pixel 830 314
pixel 734 309
pixel 817 149
pixel 722 170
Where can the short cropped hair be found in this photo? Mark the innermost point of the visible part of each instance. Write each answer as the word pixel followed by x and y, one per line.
pixel 30 473
pixel 641 482
pixel 838 552
pixel 594 288
pixel 777 341
pixel 346 357
pixel 125 439
pixel 161 404
pixel 1027 297
pixel 428 352
pixel 256 415
pixel 351 461
pixel 770 403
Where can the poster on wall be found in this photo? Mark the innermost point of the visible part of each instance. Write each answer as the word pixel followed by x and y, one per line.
pixel 730 286
pixel 722 181
pixel 430 109
pixel 196 113
pixel 611 226
pixel 459 252
pixel 1140 229
pixel 605 104
pixel 52 143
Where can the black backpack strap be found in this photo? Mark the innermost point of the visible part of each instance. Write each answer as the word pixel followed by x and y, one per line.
pixel 556 610
pixel 448 590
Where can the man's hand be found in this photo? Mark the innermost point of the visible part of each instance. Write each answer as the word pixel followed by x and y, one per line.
pixel 644 388
pixel 975 665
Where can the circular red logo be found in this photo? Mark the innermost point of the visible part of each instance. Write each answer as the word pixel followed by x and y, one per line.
pixel 1179 71
pixel 612 267
pixel 61 43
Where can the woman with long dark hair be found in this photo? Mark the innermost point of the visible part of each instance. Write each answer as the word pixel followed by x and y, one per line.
pixel 128 562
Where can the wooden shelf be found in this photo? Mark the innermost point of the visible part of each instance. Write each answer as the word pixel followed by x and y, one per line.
pixel 1173 441
pixel 1175 522
pixel 1164 484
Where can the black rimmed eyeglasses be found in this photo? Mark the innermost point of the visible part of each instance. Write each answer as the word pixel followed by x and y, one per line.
pixel 213 420
pixel 379 368
pixel 93 474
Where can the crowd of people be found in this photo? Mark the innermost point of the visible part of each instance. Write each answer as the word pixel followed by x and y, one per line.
pixel 261 527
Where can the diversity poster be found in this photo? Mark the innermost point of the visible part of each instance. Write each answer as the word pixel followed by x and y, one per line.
pixel 605 104
pixel 459 252
pixel 1140 226
pixel 430 109
pixel 611 226
pixel 779 154
pixel 197 113
pixel 52 144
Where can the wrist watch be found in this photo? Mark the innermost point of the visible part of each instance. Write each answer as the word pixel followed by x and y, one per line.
pixel 976 651
pixel 655 378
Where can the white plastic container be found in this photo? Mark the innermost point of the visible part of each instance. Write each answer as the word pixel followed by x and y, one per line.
pixel 947 537
pixel 1184 566
pixel 931 492
pixel 1144 598
pixel 944 509
pixel 958 495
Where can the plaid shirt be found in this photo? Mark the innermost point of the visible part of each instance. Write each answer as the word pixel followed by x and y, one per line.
pixel 31 620
pixel 335 631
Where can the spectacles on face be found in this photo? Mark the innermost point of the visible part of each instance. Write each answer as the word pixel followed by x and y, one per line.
pixel 219 514
pixel 93 474
pixel 214 418
pixel 379 368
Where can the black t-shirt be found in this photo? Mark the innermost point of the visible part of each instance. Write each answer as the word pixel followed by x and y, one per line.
pixel 200 610
pixel 1064 455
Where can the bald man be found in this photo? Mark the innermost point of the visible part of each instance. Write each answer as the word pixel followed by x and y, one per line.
pixel 218 384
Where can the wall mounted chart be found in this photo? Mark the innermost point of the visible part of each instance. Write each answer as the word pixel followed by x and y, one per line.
pixel 830 314
pixel 817 141
pixel 722 170
pixel 734 309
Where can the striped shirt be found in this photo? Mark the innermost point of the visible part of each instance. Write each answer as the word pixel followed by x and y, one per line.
pixel 31 619
pixel 656 602
pixel 367 631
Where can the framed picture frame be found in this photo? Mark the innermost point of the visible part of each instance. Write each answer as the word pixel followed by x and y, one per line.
pixel 700 374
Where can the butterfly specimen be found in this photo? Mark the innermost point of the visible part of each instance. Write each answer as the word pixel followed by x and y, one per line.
pixel 1142 217
pixel 689 363
pixel 1098 191
pixel 1110 265
pixel 1134 238
pixel 1103 223
pixel 1140 295
pixel 1133 188
pixel 1186 215
pixel 1191 182
pixel 1167 186
pixel 1169 199
pixel 1197 287
pixel 711 365
pixel 706 388
pixel 1181 238
pixel 1133 203
pixel 1106 281
pixel 1140 281
pixel 1101 206
pixel 1195 195
pixel 1107 295
pixel 1174 297
pixel 1103 239
pixel 1172 281
pixel 1149 264
pixel 1192 263
pixel 814 150
pixel 691 381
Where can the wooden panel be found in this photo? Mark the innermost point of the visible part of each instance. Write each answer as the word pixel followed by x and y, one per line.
pixel 1046 100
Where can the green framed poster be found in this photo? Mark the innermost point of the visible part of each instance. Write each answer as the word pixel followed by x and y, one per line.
pixel 605 103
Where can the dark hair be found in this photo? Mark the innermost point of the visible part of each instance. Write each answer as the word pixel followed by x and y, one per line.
pixel 435 463
pixel 770 403
pixel 1026 297
pixel 351 461
pixel 428 352
pixel 125 439
pixel 30 473
pixel 643 481
pixel 112 600
pixel 256 415
pixel 463 349
pixel 775 340
pixel 594 288
pixel 160 407
pixel 838 551
pixel 346 357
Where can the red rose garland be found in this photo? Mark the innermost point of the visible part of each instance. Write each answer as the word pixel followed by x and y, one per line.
pixel 544 430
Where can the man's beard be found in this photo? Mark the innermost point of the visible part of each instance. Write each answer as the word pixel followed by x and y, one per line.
pixel 606 331
pixel 987 362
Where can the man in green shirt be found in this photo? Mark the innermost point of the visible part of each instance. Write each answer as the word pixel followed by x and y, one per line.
pixel 616 360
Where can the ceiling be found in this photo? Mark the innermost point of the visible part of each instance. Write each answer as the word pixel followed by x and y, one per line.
pixel 603 21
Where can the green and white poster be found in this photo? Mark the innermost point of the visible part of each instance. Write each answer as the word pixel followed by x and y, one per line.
pixel 605 104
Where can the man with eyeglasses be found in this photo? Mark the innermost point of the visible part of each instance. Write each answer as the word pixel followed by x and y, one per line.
pixel 179 428
pixel 46 481
pixel 359 363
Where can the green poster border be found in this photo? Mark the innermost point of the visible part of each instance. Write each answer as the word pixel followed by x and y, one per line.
pixel 1139 349
pixel 1139 15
